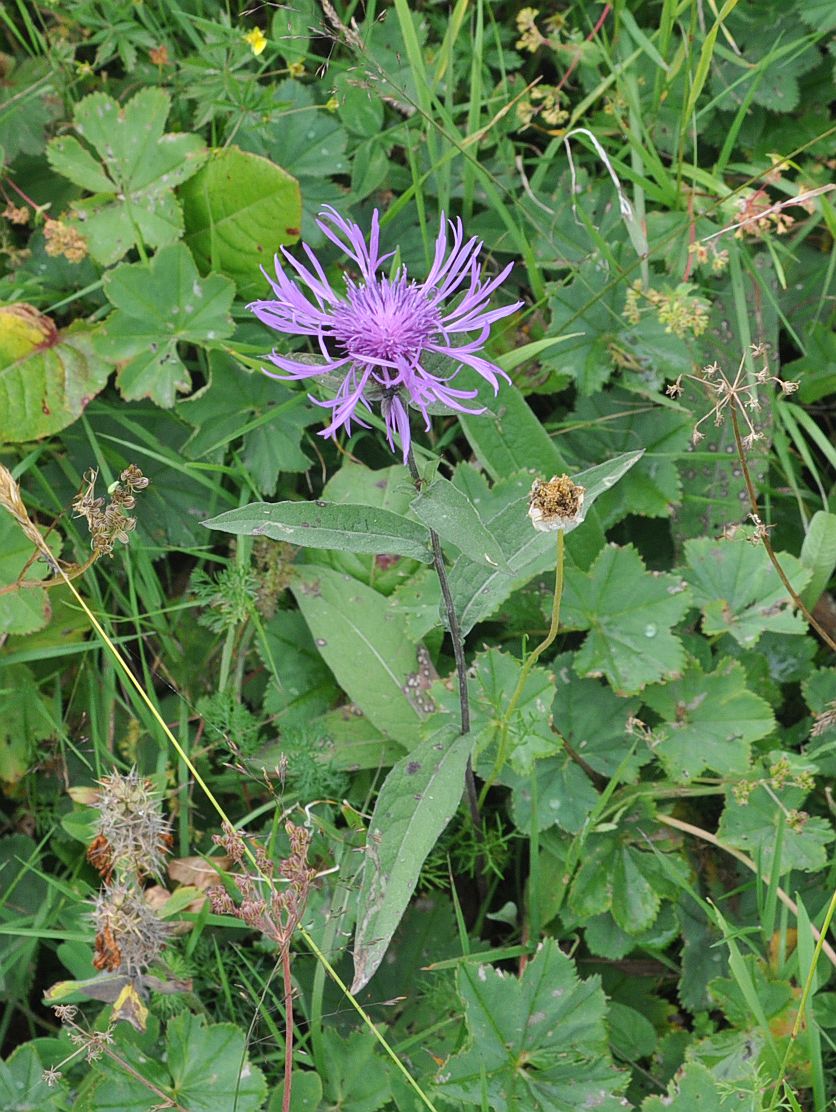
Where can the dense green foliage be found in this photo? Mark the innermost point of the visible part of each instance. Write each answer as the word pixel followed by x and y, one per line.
pixel 632 919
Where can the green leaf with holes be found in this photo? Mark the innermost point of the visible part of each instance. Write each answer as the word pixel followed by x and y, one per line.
pixel 239 208
pixel 131 166
pixel 159 305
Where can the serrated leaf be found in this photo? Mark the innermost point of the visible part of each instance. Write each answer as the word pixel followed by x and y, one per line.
pixel 752 827
pixel 418 798
pixel 565 795
pixel 22 1085
pixel 341 526
pixel 238 209
pixel 159 305
pixel 695 1090
pixel 364 644
pixel 443 507
pixel 47 377
pixel 739 591
pixel 629 613
pixel 710 721
pixel 133 180
pixel 537 1042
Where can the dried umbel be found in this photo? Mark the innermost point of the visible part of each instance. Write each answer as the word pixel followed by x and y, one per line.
pixel 110 522
pixel 556 504
pixel 133 837
pixel 273 910
pixel 129 936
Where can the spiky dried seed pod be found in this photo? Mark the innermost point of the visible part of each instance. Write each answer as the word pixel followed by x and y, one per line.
pixel 132 824
pixel 556 504
pixel 129 936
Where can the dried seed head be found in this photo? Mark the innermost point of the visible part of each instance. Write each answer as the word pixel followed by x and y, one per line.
pixel 129 936
pixel 133 835
pixel 556 504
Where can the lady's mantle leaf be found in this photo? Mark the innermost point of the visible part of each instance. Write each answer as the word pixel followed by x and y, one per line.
pixel 537 1042
pixel 753 828
pixel 739 590
pixel 158 305
pixel 345 527
pixel 710 721
pixel 629 613
pixel 205 1068
pixel 695 1090
pixel 134 175
pixel 418 798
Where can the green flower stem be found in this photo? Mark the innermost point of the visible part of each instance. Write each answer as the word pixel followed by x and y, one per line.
pixel 530 661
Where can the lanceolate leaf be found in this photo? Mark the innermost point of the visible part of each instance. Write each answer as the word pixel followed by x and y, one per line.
pixel 346 527
pixel 366 646
pixel 418 798
pixel 479 590
pixel 818 554
pixel 444 508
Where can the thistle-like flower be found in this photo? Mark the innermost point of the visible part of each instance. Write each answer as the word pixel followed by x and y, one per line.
pixel 386 336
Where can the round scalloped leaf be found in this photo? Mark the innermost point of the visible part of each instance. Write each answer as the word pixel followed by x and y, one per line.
pixel 238 209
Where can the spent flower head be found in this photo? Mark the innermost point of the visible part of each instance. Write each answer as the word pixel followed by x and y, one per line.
pixel 385 337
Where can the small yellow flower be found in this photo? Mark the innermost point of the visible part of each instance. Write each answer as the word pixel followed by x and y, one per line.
pixel 296 69
pixel 256 40
pixel 332 104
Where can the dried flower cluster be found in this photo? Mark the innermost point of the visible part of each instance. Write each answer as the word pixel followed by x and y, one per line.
pixel 16 214
pixel 741 393
pixel 680 310
pixel 110 522
pixel 62 239
pixel 131 841
pixel 264 906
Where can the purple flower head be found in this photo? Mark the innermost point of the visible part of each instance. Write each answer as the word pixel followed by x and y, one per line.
pixel 386 338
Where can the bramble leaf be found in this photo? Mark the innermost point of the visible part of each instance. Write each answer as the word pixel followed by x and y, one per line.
pixel 238 209
pixel 47 377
